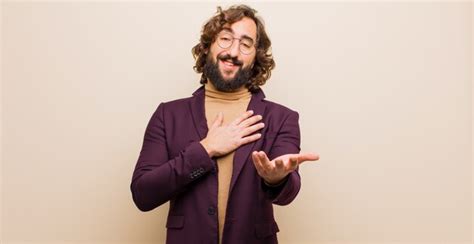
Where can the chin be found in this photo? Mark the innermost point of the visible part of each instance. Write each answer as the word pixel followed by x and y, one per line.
pixel 228 77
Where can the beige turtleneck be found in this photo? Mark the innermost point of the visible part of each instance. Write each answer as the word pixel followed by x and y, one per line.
pixel 232 104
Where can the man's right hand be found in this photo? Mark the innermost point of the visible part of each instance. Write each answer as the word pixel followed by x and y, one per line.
pixel 223 139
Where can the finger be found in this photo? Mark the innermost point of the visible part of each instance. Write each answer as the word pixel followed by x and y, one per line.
pixel 252 129
pixel 257 163
pixel 250 121
pixel 218 120
pixel 242 117
pixel 215 121
pixel 279 165
pixel 221 119
pixel 265 161
pixel 292 163
pixel 264 156
pixel 249 139
pixel 302 157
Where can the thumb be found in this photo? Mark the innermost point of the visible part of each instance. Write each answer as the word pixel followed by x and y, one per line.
pixel 218 120
pixel 308 157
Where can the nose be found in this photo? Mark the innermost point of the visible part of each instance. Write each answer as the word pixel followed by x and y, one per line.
pixel 234 48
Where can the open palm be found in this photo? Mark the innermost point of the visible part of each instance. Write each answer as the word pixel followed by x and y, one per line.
pixel 274 171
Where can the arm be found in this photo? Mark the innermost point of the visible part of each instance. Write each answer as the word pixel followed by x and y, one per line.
pixel 286 142
pixel 157 178
pixel 280 177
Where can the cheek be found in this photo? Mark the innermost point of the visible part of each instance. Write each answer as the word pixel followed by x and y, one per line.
pixel 249 61
pixel 213 51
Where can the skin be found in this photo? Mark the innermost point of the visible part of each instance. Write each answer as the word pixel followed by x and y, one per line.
pixel 223 139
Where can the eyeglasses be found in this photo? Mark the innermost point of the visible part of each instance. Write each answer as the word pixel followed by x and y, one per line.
pixel 225 40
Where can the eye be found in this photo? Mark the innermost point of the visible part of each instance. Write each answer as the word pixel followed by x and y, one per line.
pixel 247 43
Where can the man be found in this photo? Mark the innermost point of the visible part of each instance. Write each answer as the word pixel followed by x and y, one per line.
pixel 223 156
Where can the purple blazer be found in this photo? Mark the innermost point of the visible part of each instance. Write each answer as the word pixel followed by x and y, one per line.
pixel 173 166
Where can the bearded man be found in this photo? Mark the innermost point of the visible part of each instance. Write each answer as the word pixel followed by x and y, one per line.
pixel 224 156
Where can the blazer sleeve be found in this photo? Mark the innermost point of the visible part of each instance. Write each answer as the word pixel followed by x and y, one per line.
pixel 158 178
pixel 286 142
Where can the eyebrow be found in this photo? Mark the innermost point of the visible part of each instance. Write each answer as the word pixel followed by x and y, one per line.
pixel 243 36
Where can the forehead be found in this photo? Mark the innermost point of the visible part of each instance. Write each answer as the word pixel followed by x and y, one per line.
pixel 245 27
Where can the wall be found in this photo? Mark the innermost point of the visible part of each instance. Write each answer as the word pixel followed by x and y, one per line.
pixel 383 91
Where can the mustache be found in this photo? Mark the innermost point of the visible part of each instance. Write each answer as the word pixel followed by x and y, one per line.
pixel 228 58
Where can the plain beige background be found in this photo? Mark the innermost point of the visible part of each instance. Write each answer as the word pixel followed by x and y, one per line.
pixel 383 91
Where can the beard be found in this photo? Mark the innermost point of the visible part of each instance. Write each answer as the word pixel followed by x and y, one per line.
pixel 212 72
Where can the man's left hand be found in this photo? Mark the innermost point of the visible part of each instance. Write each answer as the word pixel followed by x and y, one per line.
pixel 274 171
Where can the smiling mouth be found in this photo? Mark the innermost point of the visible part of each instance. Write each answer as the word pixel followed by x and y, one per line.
pixel 229 64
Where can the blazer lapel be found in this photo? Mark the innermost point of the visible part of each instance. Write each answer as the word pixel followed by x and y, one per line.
pixel 196 106
pixel 242 153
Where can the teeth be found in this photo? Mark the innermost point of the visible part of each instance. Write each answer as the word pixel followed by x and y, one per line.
pixel 228 63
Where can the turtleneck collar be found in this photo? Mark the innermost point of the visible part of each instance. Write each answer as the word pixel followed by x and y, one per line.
pixel 211 91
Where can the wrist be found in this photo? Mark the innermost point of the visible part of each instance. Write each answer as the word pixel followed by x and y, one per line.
pixel 274 183
pixel 208 149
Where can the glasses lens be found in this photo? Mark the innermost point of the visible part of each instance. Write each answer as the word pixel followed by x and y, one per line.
pixel 224 40
pixel 246 46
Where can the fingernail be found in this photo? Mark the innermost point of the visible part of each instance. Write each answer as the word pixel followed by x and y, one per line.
pixel 251 111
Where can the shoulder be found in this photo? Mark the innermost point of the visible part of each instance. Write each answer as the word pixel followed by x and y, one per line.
pixel 171 108
pixel 280 117
pixel 273 106
pixel 183 103
pixel 279 111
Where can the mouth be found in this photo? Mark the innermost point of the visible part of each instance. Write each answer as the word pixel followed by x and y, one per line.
pixel 228 65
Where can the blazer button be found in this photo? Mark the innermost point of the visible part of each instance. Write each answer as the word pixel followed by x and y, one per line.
pixel 211 210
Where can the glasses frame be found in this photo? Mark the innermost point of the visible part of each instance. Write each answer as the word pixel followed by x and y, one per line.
pixel 254 45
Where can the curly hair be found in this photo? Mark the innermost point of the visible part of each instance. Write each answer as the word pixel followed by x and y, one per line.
pixel 263 63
